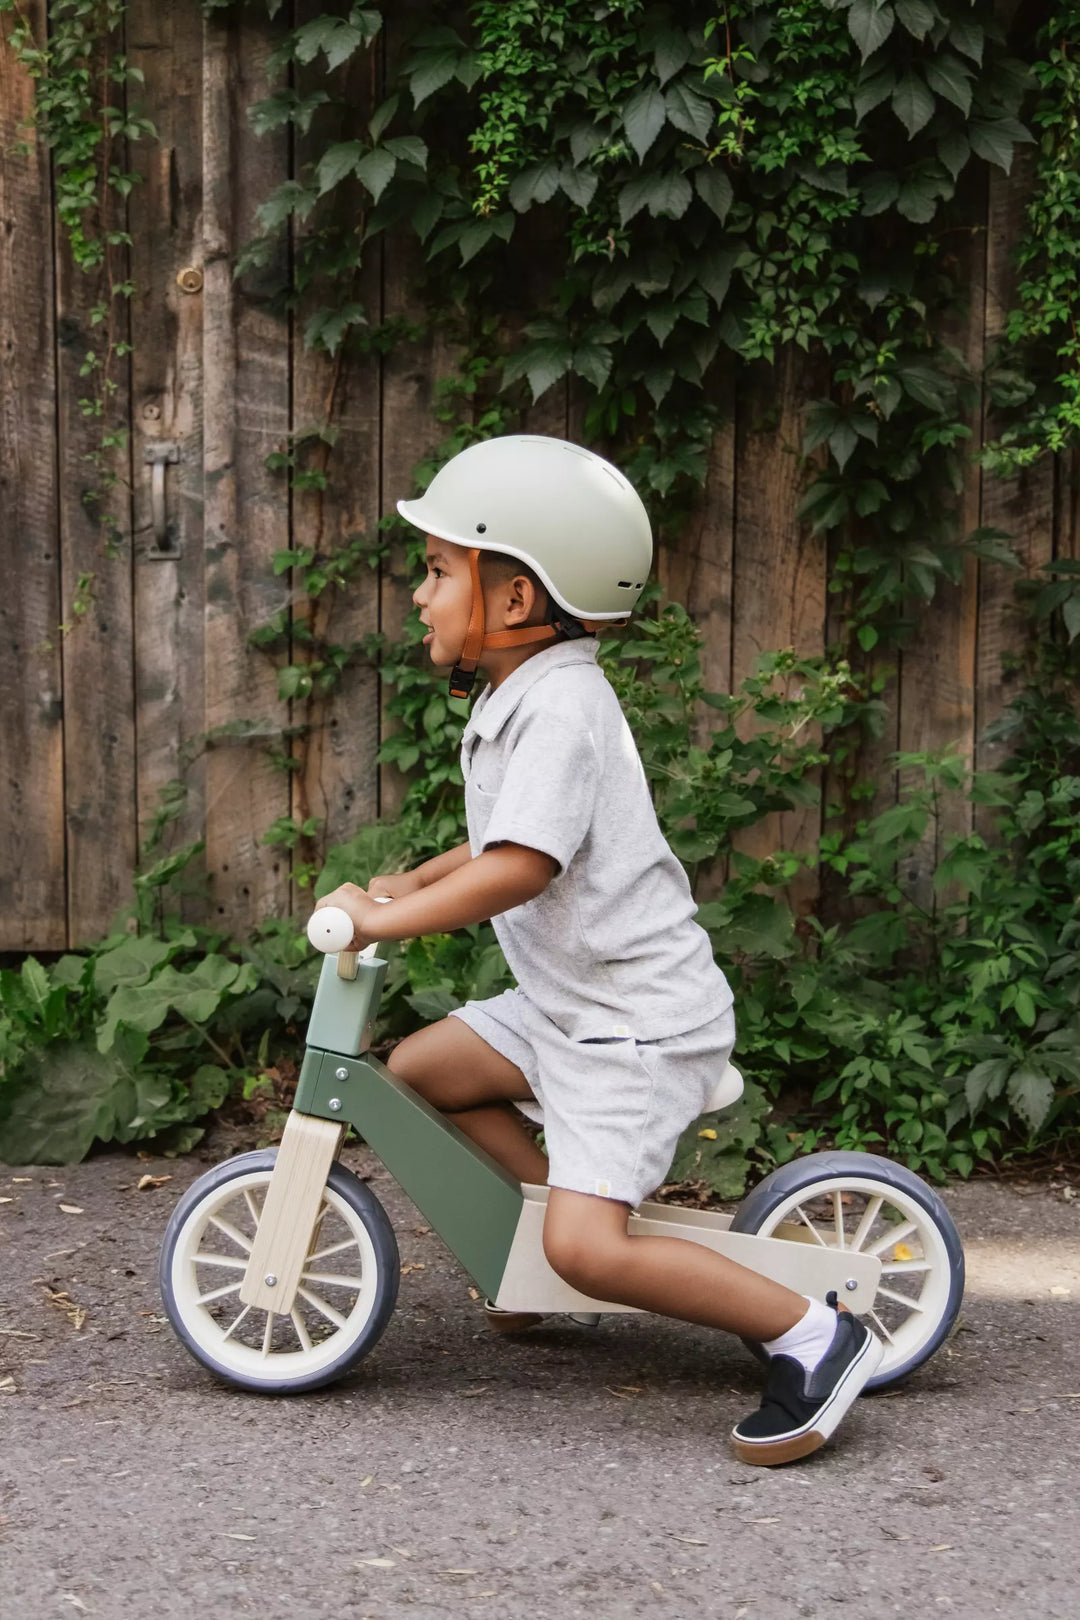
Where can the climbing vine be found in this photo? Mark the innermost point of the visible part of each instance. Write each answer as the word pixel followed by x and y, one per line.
pixel 81 77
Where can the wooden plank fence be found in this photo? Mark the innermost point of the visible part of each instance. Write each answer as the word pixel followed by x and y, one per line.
pixel 92 728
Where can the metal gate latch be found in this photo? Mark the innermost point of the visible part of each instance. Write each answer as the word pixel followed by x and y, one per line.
pixel 157 456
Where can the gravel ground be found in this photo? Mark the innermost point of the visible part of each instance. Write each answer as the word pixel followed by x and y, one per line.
pixel 573 1472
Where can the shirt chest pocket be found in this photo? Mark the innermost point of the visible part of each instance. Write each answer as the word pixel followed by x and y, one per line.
pixel 484 774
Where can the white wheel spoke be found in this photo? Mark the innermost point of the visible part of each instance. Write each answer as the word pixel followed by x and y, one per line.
pixel 838 1218
pixel 228 1262
pixel 218 1293
pixel 801 1213
pixel 253 1208
pixel 895 1267
pixel 301 1331
pixel 335 1248
pixel 268 1334
pixel 895 1236
pixel 882 1329
pixel 870 1215
pixel 233 1232
pixel 319 1304
pixel 235 1323
pixel 898 1299
pixel 337 1278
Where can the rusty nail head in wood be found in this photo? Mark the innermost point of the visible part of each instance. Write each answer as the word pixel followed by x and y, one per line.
pixel 189 279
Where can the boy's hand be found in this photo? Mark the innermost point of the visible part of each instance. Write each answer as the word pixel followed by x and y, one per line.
pixel 396 884
pixel 363 910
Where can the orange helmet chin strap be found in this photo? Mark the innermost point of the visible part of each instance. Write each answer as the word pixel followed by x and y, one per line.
pixel 463 676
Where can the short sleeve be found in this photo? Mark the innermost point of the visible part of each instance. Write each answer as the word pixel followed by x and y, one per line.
pixel 549 786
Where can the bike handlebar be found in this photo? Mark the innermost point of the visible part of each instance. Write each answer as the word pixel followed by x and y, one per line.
pixel 330 928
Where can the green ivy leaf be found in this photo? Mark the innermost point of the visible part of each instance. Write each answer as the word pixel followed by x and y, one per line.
pixel 382 116
pixel 336 163
pixel 670 53
pixel 879 191
pixel 870 23
pixel 995 138
pixel 666 193
pixel 918 198
pixel 954 150
pixel 376 170
pixel 644 119
pixel 409 148
pixel 912 102
pixel 1031 1093
pixel 689 112
pixel 538 184
pixel 715 189
pixel 130 963
pixel 915 16
pixel 967 37
pixel 951 78
pixel 871 92
pixel 578 185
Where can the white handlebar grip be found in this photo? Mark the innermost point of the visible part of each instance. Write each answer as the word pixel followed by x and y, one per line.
pixel 330 929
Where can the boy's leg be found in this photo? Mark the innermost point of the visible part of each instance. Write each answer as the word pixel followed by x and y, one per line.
pixel 455 1070
pixel 586 1241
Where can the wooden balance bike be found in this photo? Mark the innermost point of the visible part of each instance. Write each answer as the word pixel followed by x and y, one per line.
pixel 279 1269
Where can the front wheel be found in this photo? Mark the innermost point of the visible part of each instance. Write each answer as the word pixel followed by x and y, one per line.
pixel 347 1290
pixel 867 1204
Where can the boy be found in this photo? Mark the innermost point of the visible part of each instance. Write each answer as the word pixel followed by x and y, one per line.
pixel 621 1020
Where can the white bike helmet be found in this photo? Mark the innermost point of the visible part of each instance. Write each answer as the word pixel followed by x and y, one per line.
pixel 566 512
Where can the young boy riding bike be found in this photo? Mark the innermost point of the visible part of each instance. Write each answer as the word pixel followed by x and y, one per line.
pixel 621 1021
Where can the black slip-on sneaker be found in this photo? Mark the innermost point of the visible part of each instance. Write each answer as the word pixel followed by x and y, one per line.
pixel 800 1410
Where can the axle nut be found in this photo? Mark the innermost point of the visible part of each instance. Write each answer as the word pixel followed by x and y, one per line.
pixel 851 1285
pixel 270 1280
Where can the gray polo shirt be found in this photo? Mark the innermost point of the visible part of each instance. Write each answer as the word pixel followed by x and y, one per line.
pixel 610 947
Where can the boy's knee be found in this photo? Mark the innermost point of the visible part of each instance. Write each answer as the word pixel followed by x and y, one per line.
pixel 408 1062
pixel 579 1258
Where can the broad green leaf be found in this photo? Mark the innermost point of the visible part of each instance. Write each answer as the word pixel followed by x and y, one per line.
pixel 994 139
pixel 35 982
pixel 951 78
pixel 434 69
pixel 912 102
pixel 879 191
pixel 662 193
pixel 382 116
pixel 842 441
pixel 871 92
pixel 1031 1093
pixel 433 1004
pixel 409 148
pixel 918 199
pixel 337 162
pixel 715 189
pixel 953 150
pixel 670 53
pixel 578 184
pixel 713 271
pixel 538 184
pixel 916 16
pixel 64 1096
pixel 195 995
pixel 870 23
pixel 644 119
pixel 688 112
pixel 967 37
pixel 376 170
pixel 130 963
pixel 718 1157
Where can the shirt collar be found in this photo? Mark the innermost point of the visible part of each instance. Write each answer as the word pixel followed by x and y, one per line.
pixel 495 705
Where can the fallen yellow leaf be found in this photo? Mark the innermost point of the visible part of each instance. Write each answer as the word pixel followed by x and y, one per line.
pixel 709 1135
pixel 902 1252
pixel 72 1209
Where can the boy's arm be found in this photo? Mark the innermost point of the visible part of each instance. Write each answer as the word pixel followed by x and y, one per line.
pixel 471 892
pixel 395 885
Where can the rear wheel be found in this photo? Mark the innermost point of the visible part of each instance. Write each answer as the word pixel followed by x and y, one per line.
pixel 347 1290
pixel 869 1205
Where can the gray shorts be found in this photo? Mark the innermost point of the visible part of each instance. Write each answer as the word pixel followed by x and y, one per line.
pixel 612 1109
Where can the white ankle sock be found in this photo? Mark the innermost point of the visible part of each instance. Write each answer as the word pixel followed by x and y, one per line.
pixel 809 1339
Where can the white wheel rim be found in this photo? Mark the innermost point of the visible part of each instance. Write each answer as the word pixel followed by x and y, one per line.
pixel 334 1301
pixel 916 1282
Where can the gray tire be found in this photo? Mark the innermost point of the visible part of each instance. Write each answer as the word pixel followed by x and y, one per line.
pixel 880 1207
pixel 348 1291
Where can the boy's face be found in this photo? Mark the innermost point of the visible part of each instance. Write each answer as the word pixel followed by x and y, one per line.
pixel 445 599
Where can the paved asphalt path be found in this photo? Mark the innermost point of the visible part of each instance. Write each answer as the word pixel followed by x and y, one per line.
pixel 574 1473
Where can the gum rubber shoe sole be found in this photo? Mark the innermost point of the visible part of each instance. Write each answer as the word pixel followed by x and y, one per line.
pixel 811 1436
